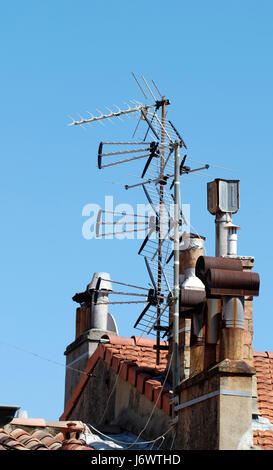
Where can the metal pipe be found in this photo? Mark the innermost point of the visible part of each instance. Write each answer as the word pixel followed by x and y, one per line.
pixel 176 377
pixel 233 312
pixel 221 221
pixel 99 309
pixel 159 250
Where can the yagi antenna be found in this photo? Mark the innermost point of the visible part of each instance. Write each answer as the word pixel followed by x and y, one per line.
pixel 140 87
pixel 145 81
pixel 160 180
pixel 112 114
pixel 161 96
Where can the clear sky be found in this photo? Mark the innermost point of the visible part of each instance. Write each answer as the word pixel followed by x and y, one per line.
pixel 213 60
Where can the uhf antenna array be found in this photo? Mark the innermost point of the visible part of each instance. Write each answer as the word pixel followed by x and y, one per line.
pixel 159 150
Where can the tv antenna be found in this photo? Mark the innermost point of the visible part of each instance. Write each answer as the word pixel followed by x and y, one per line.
pixel 159 180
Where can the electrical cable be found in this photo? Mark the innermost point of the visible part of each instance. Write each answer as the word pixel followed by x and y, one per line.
pixel 154 407
pixel 45 358
pixel 126 442
pixel 113 389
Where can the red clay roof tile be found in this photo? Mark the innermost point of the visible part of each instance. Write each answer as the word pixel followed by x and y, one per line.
pixel 119 339
pixel 124 368
pixel 263 439
pixel 117 361
pixel 74 444
pixel 132 375
pixel 264 373
pixel 149 388
pixel 166 405
pixel 39 440
pixel 141 379
pixel 158 392
pixel 140 341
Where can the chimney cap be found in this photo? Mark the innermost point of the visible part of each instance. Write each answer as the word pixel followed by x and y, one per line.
pixel 223 196
pixel 231 225
pixel 183 235
pixel 191 241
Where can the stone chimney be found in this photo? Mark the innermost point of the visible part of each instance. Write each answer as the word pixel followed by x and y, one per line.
pixel 92 322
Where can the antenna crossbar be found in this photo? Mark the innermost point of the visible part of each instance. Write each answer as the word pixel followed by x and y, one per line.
pixel 120 112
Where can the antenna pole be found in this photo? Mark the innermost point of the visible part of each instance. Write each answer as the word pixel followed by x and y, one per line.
pixel 176 377
pixel 163 116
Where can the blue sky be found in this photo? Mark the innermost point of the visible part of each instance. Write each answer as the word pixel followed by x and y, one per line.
pixel 213 60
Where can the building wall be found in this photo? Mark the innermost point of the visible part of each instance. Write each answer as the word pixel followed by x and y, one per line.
pixel 216 408
pixel 108 399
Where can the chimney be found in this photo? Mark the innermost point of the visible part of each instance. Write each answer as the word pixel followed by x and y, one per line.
pixel 223 392
pixel 192 296
pixel 92 322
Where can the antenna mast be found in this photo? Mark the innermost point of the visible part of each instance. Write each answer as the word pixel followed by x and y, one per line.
pixel 161 173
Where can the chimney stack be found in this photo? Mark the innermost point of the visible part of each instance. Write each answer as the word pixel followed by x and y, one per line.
pixel 224 386
pixel 192 295
pixel 92 322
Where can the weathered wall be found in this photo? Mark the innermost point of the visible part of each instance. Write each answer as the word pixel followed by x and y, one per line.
pixel 91 404
pixel 108 399
pixel 216 408
pixel 77 355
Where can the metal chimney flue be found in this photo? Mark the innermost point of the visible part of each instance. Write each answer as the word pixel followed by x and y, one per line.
pixel 232 239
pixel 99 288
pixel 223 200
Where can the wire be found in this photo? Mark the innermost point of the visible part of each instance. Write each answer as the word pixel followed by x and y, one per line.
pixel 214 166
pixel 174 436
pixel 124 442
pixel 116 381
pixel 114 387
pixel 45 358
pixel 154 407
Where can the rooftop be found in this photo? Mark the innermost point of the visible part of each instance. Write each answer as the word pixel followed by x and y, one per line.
pixel 134 360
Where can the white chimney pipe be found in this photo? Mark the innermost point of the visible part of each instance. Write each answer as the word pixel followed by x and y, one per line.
pixel 99 310
pixel 232 238
pixel 189 280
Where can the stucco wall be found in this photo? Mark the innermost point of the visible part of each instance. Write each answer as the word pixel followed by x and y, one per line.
pixel 216 408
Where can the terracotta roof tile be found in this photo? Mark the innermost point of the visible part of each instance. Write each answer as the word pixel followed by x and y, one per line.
pixel 124 368
pixel 158 392
pixel 47 439
pixel 141 379
pixel 260 354
pixel 264 372
pixel 132 375
pixel 150 387
pixel 263 364
pixel 263 439
pixel 166 405
pixel 119 339
pixel 16 438
pixel 117 361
